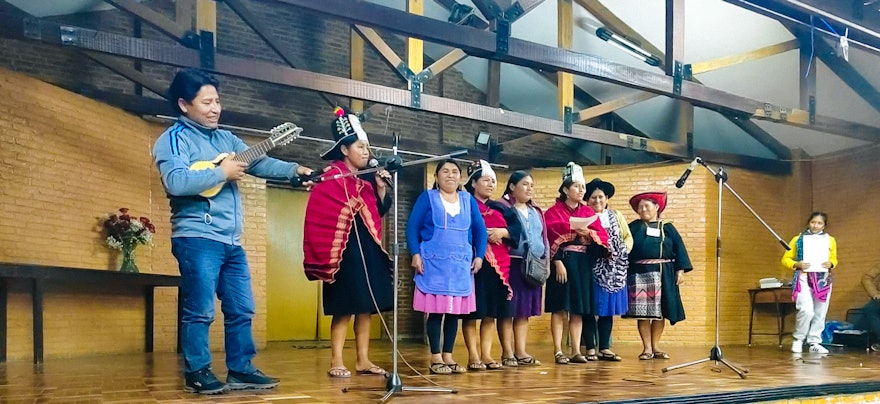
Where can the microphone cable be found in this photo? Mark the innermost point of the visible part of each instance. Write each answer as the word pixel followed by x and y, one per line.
pixel 370 287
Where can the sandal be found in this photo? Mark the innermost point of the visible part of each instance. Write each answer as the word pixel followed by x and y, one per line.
pixel 578 358
pixel 561 359
pixel 609 356
pixel 494 365
pixel 527 361
pixel 661 355
pixel 510 362
pixel 646 356
pixel 591 356
pixel 456 368
pixel 476 366
pixel 339 372
pixel 372 370
pixel 440 369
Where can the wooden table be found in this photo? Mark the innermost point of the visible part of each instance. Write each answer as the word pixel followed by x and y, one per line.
pixel 779 303
pixel 40 275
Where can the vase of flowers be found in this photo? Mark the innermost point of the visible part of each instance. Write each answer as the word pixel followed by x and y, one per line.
pixel 125 232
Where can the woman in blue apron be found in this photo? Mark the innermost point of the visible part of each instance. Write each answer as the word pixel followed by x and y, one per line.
pixel 443 231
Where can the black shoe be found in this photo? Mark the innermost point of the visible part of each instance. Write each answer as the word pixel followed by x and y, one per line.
pixel 256 380
pixel 203 382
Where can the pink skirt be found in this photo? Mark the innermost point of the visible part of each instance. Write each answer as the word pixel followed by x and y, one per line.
pixel 428 303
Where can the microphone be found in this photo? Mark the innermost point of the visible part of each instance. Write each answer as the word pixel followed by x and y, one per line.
pixel 374 164
pixel 687 172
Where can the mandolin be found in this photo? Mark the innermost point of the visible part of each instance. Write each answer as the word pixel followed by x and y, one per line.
pixel 278 136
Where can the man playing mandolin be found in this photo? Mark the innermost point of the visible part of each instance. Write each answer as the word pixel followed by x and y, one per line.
pixel 206 223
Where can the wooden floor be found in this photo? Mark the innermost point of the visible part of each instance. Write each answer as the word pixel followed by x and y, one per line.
pixel 142 378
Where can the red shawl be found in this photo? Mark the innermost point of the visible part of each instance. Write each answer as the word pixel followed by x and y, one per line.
pixel 330 215
pixel 497 255
pixel 559 228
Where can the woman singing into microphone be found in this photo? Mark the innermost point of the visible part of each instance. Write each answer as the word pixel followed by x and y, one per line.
pixel 342 243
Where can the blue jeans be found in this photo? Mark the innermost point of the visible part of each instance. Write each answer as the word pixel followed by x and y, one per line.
pixel 210 267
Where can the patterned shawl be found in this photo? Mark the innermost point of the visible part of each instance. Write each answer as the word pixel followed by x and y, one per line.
pixel 329 219
pixel 559 230
pixel 497 255
pixel 611 270
pixel 820 282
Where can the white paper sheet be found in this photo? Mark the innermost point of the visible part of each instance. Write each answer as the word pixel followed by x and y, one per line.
pixel 580 223
pixel 817 248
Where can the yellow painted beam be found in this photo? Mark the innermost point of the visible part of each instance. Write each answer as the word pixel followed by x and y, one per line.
pixel 564 81
pixel 613 105
pixel 415 48
pixel 727 61
pixel 357 66
pixel 206 17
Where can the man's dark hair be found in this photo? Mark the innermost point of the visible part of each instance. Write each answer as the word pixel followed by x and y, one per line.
pixel 186 85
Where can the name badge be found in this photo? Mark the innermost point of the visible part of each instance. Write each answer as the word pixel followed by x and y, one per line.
pixel 653 232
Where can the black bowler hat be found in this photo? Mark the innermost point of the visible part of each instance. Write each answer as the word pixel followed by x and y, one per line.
pixel 346 130
pixel 605 186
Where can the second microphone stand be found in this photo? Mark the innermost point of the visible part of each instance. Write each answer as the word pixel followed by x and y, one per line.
pixel 715 353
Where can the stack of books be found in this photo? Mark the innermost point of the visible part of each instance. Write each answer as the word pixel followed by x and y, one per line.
pixel 769 283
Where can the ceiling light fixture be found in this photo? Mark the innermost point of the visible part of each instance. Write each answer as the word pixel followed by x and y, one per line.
pixel 483 142
pixel 828 15
pixel 749 5
pixel 627 46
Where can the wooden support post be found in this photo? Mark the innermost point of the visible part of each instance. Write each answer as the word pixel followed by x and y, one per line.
pixel 565 81
pixel 206 17
pixel 357 66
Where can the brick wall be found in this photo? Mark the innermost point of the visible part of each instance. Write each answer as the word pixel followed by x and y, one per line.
pixel 749 251
pixel 322 46
pixel 65 160
pixel 845 187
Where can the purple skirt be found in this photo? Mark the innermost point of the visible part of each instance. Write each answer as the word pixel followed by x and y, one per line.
pixel 527 299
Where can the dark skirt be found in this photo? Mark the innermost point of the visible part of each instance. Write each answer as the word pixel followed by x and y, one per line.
pixel 491 295
pixel 526 300
pixel 575 296
pixel 349 294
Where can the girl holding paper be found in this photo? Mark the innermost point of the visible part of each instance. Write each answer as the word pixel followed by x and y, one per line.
pixel 577 239
pixel 812 255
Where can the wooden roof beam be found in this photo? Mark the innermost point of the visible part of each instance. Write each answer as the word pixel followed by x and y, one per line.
pixel 534 55
pixel 732 60
pixel 165 25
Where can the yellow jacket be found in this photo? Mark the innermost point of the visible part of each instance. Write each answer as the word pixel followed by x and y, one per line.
pixel 788 259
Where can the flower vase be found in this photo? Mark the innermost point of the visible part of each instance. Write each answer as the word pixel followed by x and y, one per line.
pixel 128 262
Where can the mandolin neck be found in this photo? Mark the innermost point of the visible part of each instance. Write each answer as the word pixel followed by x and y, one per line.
pixel 254 152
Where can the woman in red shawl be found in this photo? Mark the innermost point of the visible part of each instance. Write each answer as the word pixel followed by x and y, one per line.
pixel 491 283
pixel 577 239
pixel 342 244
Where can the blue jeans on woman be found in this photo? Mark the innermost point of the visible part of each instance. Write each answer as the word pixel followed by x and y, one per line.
pixel 207 268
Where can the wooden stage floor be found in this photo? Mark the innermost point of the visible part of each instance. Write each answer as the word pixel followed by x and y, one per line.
pixel 143 378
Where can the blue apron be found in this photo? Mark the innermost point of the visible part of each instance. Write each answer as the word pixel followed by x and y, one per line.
pixel 447 256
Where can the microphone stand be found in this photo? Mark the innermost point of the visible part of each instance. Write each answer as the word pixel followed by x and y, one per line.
pixel 715 353
pixel 393 383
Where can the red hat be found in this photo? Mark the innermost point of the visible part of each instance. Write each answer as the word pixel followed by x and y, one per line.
pixel 658 197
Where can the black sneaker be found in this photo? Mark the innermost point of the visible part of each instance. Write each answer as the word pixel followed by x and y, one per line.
pixel 256 380
pixel 203 382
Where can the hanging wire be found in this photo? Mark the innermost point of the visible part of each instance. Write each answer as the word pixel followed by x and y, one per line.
pixel 812 46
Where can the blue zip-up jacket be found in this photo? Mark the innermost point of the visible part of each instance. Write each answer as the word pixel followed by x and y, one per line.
pixel 218 218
